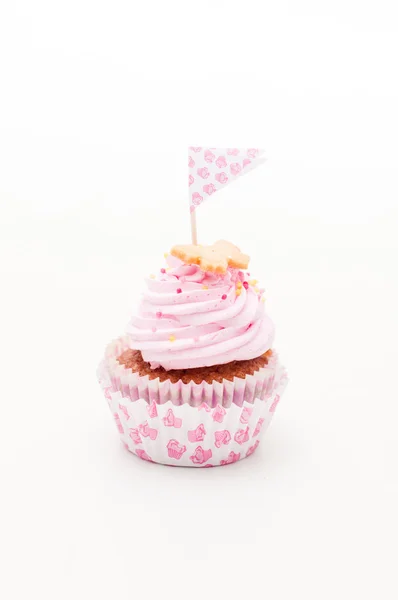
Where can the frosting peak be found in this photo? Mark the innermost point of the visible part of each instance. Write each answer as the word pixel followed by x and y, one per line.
pixel 190 318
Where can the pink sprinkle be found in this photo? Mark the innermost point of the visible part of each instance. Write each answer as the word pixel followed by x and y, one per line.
pixel 154 329
pixel 245 285
pixel 248 274
pixel 159 315
pixel 224 297
pixel 163 270
pixel 179 290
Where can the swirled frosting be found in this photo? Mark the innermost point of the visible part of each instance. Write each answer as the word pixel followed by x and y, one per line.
pixel 188 318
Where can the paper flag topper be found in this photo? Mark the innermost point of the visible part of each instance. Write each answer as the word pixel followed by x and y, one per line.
pixel 210 169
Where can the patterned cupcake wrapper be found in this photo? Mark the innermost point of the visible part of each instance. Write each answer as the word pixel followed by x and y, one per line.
pixel 190 436
pixel 261 385
pixel 198 425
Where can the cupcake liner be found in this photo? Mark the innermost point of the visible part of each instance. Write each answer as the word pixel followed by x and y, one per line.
pixel 184 435
pixel 198 425
pixel 131 385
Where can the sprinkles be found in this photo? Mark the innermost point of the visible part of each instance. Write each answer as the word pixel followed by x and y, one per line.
pixel 245 285
pixel 238 291
pixel 179 291
pixel 152 276
pixel 172 338
pixel 163 270
pixel 253 282
pixel 224 297
pixel 205 287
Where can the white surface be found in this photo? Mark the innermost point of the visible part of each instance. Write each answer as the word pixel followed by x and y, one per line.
pixel 98 103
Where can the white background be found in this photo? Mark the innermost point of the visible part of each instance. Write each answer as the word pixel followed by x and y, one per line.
pixel 98 101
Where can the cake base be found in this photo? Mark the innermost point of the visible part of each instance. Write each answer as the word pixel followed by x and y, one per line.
pixel 132 359
pixel 189 424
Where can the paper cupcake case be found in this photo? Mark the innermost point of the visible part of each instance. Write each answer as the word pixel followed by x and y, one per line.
pixel 131 385
pixel 196 425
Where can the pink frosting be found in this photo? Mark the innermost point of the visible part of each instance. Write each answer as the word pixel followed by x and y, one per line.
pixel 188 318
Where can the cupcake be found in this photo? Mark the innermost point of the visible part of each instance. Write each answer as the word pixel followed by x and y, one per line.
pixel 195 380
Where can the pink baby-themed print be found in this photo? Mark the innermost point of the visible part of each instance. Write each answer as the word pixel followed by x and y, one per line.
pixel 218 166
pixel 232 457
pixel 200 456
pixel 242 436
pixel 123 409
pixel 107 393
pixel 221 177
pixel 142 454
pixel 196 199
pixel 209 189
pixel 252 152
pixel 147 431
pixel 209 156
pixel 171 421
pixel 203 172
pixel 274 404
pixel 219 413
pixel 222 438
pixel 258 427
pixel 198 434
pixel 246 414
pixel 118 423
pixel 235 168
pixel 204 406
pixel 135 436
pixel 152 410
pixel 253 448
pixel 175 450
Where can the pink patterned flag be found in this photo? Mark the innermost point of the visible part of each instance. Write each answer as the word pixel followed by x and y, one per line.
pixel 210 169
